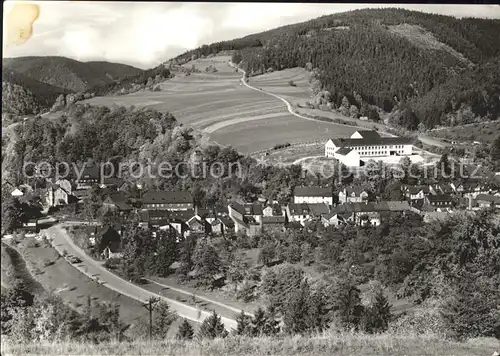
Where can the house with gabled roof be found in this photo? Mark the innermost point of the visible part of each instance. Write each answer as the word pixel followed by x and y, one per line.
pixel 313 195
pixel 440 201
pixel 166 200
pixel 270 223
pixel 90 175
pixel 298 213
pixel 415 192
pixel 118 201
pixel 243 216
pixel 488 200
pixel 353 194
pixel 274 209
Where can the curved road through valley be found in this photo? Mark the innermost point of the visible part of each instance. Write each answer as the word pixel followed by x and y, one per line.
pixel 62 241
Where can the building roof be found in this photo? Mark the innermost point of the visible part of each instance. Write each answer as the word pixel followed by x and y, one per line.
pixel 16 193
pixel 247 209
pixel 343 151
pixel 488 198
pixel 318 209
pixel 312 192
pixel 350 208
pixel 113 181
pixel 368 134
pixel 370 141
pixel 166 197
pixel 119 199
pixel 90 172
pixel 392 205
pixel 298 209
pixel 226 221
pixel 356 189
pixel 273 220
pixel 252 209
pixel 440 198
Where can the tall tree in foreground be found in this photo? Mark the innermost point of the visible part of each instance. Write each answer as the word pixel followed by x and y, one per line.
pixel 163 319
pixel 212 327
pixel 377 315
pixel 243 324
pixel 185 331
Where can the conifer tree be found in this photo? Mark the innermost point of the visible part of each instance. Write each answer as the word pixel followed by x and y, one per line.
pixel 212 327
pixel 243 326
pixel 163 319
pixel 377 315
pixel 258 322
pixel 185 331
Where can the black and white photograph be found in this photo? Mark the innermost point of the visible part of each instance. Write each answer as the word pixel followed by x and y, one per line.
pixel 250 179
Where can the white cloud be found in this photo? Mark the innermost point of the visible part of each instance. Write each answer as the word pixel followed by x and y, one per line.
pixel 144 34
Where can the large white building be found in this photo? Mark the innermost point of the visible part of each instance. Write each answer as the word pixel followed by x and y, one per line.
pixel 312 195
pixel 366 145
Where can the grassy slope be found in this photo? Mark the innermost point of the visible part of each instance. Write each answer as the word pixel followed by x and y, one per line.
pixel 68 73
pixel 14 268
pixel 228 112
pixel 355 345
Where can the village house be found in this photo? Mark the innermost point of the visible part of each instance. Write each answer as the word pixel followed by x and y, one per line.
pixel 273 223
pixel 117 201
pixel 112 182
pixel 318 210
pixel 244 218
pixel 164 200
pixel 352 194
pixel 414 192
pixel 440 201
pixel 488 200
pixel 367 144
pixel 273 210
pixel 58 193
pixel 312 195
pixel 363 213
pixel 89 176
pixel 222 226
pixel 298 213
pixel 109 242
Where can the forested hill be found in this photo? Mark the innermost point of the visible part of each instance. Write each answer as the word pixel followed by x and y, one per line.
pixel 68 73
pixel 430 69
pixel 22 95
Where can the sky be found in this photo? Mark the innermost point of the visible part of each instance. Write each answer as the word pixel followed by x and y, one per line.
pixel 146 34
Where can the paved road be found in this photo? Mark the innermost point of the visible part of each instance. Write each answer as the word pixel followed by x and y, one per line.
pixel 93 269
pixel 233 309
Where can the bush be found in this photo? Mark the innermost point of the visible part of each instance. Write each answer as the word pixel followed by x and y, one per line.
pixel 292 84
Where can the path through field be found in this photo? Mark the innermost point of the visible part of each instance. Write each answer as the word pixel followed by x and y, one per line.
pixel 229 111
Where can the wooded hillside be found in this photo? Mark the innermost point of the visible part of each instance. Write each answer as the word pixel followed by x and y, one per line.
pixel 433 69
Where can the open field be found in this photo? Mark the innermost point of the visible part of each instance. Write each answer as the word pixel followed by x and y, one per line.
pixel 327 344
pixel 227 111
pixel 278 83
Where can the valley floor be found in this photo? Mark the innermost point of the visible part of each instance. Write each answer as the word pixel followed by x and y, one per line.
pixel 335 344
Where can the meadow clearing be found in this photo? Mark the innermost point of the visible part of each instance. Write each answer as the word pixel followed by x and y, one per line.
pixel 228 112
pixel 322 344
